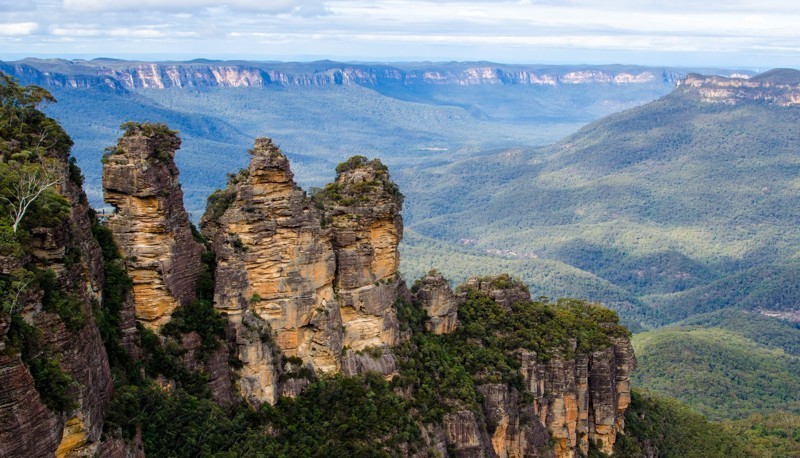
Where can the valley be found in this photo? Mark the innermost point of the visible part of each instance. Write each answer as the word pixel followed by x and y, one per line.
pixel 668 196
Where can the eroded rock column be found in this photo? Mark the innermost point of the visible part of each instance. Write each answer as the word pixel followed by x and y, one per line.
pixel 275 264
pixel 363 208
pixel 150 224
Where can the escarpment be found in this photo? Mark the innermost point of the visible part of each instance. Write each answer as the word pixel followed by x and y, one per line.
pixel 776 87
pixel 149 223
pixel 281 295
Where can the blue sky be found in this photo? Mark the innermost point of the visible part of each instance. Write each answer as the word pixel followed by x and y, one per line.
pixel 753 34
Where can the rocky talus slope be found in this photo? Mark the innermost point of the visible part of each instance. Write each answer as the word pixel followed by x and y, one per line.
pixel 150 225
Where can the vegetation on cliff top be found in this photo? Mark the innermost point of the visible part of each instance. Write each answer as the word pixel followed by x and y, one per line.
pixel 442 371
pixel 164 140
pixel 351 189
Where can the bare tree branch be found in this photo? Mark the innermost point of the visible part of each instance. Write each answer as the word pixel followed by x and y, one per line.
pixel 31 184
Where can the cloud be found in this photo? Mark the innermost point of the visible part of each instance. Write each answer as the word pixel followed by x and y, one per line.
pixel 153 32
pixel 17 29
pixel 399 29
pixel 261 6
pixel 16 5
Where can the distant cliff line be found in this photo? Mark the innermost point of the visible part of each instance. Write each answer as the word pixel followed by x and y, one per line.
pixel 124 75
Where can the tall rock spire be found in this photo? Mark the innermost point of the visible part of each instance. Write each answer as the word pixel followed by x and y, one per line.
pixel 150 225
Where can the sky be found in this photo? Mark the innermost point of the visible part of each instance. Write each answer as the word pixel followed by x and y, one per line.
pixel 732 33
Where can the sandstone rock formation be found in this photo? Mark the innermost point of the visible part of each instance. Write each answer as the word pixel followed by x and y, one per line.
pixel 27 426
pixel 578 399
pixel 778 87
pixel 319 278
pixel 433 292
pixel 275 264
pixel 150 225
pixel 122 75
pixel 362 208
pixel 503 289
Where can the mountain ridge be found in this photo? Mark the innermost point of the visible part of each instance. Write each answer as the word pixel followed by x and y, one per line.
pixel 124 75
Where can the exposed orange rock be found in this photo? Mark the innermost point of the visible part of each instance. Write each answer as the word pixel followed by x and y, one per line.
pixel 150 225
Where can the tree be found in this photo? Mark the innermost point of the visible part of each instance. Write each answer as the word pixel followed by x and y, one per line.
pixel 16 284
pixel 32 181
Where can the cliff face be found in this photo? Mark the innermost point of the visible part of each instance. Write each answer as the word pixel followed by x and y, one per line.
pixel 433 292
pixel 569 399
pixel 28 427
pixel 150 224
pixel 122 75
pixel 317 278
pixel 362 208
pixel 308 286
pixel 581 399
pixel 777 87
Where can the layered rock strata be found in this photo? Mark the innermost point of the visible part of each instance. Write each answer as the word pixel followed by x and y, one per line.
pixel 776 87
pixel 316 279
pixel 122 75
pixel 362 208
pixel 27 426
pixel 150 225
pixel 275 272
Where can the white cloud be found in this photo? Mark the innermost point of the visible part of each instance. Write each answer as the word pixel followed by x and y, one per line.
pixel 153 32
pixel 17 29
pixel 394 29
pixel 264 6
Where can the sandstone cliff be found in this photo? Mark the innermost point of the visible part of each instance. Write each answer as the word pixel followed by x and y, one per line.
pixel 58 329
pixel 315 279
pixel 150 225
pixel 777 87
pixel 362 208
pixel 117 75
pixel 568 398
pixel 434 294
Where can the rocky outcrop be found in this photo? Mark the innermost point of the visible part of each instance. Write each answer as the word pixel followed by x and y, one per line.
pixel 27 426
pixel 68 249
pixel 362 208
pixel 434 294
pixel 503 289
pixel 275 264
pixel 569 400
pixel 511 422
pixel 776 87
pixel 317 280
pixel 150 225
